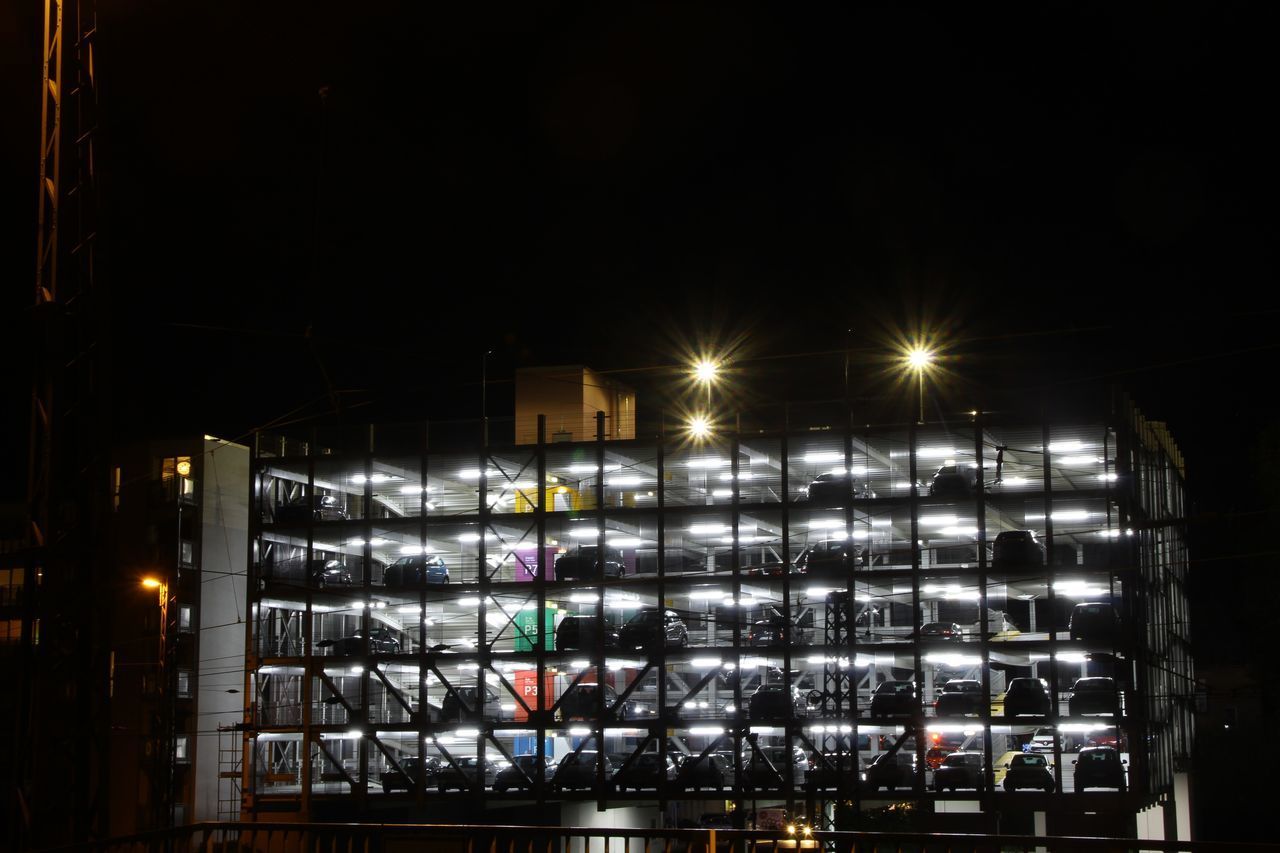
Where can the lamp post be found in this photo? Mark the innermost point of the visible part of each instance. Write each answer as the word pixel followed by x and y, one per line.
pixel 164 738
pixel 918 359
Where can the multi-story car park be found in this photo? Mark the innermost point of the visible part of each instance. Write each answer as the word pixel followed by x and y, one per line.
pixel 817 629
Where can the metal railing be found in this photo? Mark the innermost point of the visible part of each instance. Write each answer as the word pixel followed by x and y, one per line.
pixel 265 837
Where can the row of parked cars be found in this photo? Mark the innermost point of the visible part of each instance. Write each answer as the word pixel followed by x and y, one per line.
pixel 961 697
pixel 762 768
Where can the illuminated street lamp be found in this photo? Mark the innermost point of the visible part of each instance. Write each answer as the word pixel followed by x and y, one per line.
pixel 706 372
pixel 919 359
pixel 166 745
pixel 699 426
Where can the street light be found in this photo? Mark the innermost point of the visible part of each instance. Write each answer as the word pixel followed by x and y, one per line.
pixel 699 426
pixel 706 372
pixel 919 359
pixel 165 750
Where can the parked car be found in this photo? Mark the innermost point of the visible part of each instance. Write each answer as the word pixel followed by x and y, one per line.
pixel 713 771
pixel 834 488
pixel 319 573
pixel 311 508
pixel 1029 770
pixel 829 770
pixel 1026 697
pixel 416 571
pixel 1094 696
pixel 776 629
pixel 788 769
pixel 466 774
pixel 651 628
pixel 577 770
pixel 959 697
pixel 584 633
pixel 894 699
pixel 1017 549
pixel 892 770
pixel 960 770
pixel 830 555
pixel 1094 622
pixel 940 631
pixel 523 772
pixel 954 481
pixel 776 701
pixel 647 770
pixel 585 563
pixel 1042 740
pixel 413 768
pixel 381 642
pixel 579 703
pixel 1099 767
pixel 1001 766
pixel 461 704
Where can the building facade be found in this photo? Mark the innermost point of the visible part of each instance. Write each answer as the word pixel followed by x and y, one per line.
pixel 813 616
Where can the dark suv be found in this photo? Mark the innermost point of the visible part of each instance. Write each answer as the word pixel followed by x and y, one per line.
pixel 834 488
pixel 776 701
pixel 1015 549
pixel 892 770
pixel 585 564
pixel 578 770
pixel 381 642
pixel 579 703
pixel 829 555
pixel 959 697
pixel 647 770
pixel 954 481
pixel 789 767
pixel 320 573
pixel 775 630
pixel 960 770
pixel 315 507
pixel 416 571
pixel 1027 697
pixel 411 770
pixel 651 628
pixel 893 699
pixel 1094 621
pixel 584 633
pixel 1099 767
pixel 460 704
pixel 1096 695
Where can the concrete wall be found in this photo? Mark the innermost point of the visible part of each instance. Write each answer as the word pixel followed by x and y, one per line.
pixel 224 548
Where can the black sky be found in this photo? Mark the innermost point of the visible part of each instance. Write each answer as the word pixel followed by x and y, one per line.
pixel 1061 190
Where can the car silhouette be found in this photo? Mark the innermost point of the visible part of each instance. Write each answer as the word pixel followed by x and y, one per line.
pixel 1094 621
pixel 1094 696
pixel 835 488
pixel 1026 697
pixel 960 770
pixel 1017 549
pixel 416 571
pixel 1099 767
pixel 954 481
pixel 523 772
pixel 652 628
pixel 893 699
pixel 892 770
pixel 585 564
pixel 411 770
pixel 959 697
pixel 1028 771
pixel 311 508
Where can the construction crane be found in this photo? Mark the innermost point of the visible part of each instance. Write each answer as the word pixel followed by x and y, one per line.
pixel 59 776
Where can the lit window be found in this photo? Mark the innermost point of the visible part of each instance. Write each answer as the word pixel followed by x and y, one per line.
pixel 181 748
pixel 187 553
pixel 184 684
pixel 184 617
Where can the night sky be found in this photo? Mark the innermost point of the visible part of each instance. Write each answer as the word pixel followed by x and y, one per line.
pixel 1060 192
